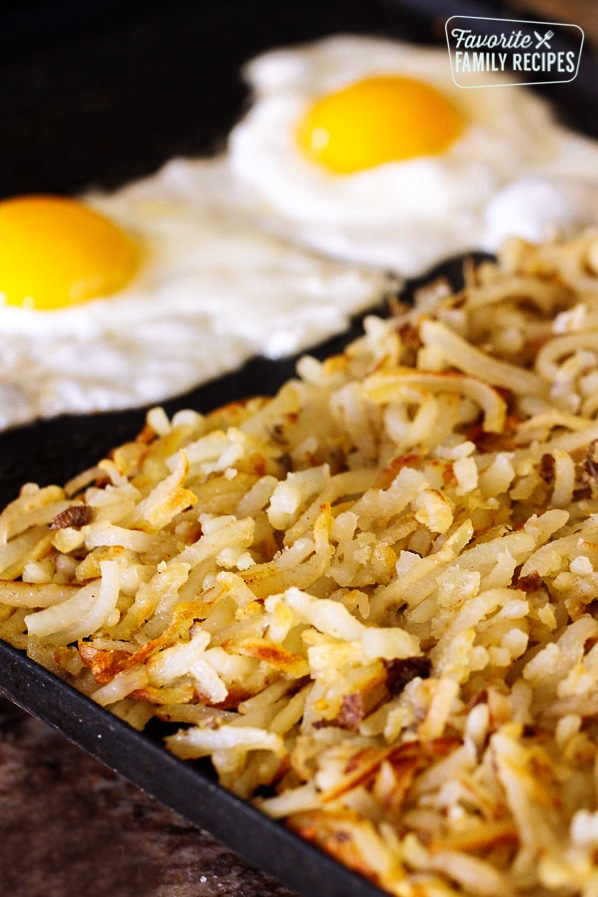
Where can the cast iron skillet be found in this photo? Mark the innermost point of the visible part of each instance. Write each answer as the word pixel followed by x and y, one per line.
pixel 187 787
pixel 101 96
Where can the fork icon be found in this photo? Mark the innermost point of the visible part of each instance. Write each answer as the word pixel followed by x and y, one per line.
pixel 543 41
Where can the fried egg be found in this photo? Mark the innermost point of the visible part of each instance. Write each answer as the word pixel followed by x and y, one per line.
pixel 358 157
pixel 121 299
pixel 365 149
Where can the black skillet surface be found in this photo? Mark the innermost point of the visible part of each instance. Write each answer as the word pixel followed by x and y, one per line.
pixel 189 788
pixel 108 97
pixel 103 92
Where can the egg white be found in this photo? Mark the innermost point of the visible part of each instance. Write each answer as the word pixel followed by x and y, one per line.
pixel 405 215
pixel 211 292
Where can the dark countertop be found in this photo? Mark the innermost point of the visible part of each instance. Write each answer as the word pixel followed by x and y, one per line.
pixel 70 826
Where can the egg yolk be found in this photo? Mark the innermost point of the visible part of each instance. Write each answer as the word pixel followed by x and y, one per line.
pixel 377 120
pixel 56 252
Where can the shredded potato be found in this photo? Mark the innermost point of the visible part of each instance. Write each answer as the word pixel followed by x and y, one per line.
pixel 371 600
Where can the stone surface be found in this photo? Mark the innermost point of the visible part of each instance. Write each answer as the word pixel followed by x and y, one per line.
pixel 70 827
